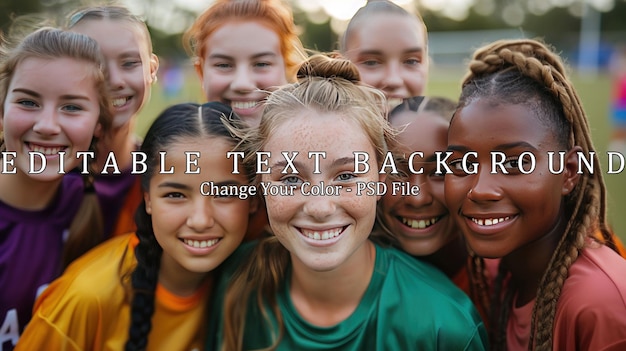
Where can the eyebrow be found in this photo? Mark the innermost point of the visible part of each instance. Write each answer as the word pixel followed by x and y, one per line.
pixel 173 185
pixel 378 52
pixel 227 57
pixel 299 165
pixel 506 146
pixel 37 95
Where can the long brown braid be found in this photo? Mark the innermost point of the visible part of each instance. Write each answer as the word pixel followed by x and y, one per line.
pixel 506 62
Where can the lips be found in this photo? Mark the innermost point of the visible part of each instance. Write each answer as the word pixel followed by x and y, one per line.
pixel 419 223
pixel 200 244
pixel 489 221
pixel 325 234
pixel 244 104
pixel 46 149
pixel 119 102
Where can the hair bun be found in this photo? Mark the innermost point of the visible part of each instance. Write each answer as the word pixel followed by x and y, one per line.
pixel 324 66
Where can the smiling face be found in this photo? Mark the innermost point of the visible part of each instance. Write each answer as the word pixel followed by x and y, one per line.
pixel 321 232
pixel 130 64
pixel 391 54
pixel 499 213
pixel 51 106
pixel 242 59
pixel 196 232
pixel 421 223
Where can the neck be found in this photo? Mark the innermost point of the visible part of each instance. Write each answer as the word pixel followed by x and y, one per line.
pixel 451 258
pixel 121 141
pixel 329 297
pixel 528 263
pixel 23 192
pixel 178 280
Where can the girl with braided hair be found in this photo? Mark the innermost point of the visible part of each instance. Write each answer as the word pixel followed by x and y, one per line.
pixel 320 283
pixel 520 193
pixel 150 290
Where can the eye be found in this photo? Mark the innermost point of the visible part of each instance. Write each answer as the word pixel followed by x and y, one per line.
pixel 458 168
pixel 27 103
pixel 174 195
pixel 223 65
pixel 131 64
pixel 511 164
pixel 292 179
pixel 72 108
pixel 370 63
pixel 413 62
pixel 262 64
pixel 344 177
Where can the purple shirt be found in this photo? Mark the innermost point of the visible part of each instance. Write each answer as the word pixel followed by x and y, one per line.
pixel 112 191
pixel 31 244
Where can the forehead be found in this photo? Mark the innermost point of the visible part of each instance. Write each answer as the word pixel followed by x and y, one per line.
pixel 66 74
pixel 309 130
pixel 115 34
pixel 386 31
pixel 243 38
pixel 421 131
pixel 482 123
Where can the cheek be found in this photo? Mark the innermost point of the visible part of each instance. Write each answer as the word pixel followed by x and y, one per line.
pixel 214 85
pixel 453 193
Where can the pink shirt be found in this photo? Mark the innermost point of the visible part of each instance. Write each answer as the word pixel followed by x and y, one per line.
pixel 591 312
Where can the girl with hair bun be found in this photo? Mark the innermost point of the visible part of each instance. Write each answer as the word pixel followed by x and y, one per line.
pixel 319 283
pixel 560 284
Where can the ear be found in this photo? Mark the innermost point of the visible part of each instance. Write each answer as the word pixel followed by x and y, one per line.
pixel 146 199
pixel 97 132
pixel 154 67
pixel 197 65
pixel 570 173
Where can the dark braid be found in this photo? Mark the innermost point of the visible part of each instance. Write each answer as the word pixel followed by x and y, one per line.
pixel 144 280
pixel 529 73
pixel 178 121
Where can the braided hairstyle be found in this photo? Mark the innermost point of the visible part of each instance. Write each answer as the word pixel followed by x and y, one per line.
pixel 175 123
pixel 529 73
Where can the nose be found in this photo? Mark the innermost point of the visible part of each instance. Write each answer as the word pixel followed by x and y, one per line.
pixel 116 78
pixel 320 207
pixel 393 77
pixel 48 122
pixel 485 186
pixel 200 217
pixel 243 81
pixel 424 198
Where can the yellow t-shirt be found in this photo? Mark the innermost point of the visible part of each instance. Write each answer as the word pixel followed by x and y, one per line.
pixel 88 307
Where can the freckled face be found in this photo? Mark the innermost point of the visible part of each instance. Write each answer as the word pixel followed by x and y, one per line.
pixel 421 223
pixel 498 212
pixel 322 232
pixel 196 232
pixel 242 60
pixel 51 107
pixel 391 55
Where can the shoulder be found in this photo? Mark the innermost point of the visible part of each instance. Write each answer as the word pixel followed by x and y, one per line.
pixel 92 280
pixel 592 305
pixel 597 275
pixel 429 298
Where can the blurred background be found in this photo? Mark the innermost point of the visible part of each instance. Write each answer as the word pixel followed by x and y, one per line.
pixel 587 33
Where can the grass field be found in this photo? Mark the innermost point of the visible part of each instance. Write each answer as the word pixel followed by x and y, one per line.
pixel 594 92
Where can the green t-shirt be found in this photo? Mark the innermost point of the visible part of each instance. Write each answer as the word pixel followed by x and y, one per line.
pixel 408 305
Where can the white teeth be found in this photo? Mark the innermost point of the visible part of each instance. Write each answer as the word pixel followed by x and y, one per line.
pixel 490 221
pixel 46 150
pixel 118 102
pixel 419 223
pixel 324 235
pixel 243 104
pixel 200 244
